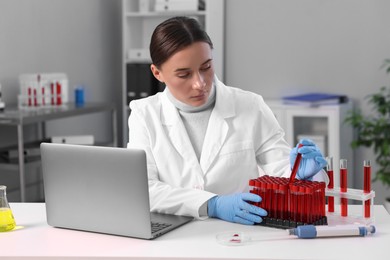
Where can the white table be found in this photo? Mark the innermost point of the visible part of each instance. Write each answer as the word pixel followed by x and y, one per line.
pixel 34 239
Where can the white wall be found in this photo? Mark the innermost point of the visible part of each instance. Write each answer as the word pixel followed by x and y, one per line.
pixel 80 38
pixel 280 47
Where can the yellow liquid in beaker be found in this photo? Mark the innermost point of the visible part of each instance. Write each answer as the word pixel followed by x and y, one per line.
pixel 7 221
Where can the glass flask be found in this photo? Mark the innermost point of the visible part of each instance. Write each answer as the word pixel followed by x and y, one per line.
pixel 7 221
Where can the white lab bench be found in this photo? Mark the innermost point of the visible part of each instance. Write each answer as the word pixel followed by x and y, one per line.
pixel 34 239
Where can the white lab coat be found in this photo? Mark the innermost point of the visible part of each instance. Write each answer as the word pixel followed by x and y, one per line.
pixel 242 138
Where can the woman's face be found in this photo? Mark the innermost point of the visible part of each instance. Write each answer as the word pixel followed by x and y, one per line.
pixel 188 74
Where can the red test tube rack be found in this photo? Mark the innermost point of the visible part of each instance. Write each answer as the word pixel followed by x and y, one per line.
pixel 290 204
pixel 42 90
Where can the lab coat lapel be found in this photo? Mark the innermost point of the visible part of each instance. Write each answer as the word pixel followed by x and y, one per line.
pixel 218 127
pixel 178 133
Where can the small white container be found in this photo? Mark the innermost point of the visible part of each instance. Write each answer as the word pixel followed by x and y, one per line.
pixel 138 55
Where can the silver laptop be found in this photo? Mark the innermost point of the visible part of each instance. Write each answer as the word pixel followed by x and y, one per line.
pixel 101 189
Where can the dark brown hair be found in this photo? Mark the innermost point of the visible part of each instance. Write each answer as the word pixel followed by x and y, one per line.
pixel 174 35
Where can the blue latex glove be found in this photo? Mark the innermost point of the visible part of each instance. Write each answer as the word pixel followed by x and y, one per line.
pixel 312 160
pixel 235 208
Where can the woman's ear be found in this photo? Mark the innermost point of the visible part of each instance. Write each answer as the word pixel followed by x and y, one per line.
pixel 156 73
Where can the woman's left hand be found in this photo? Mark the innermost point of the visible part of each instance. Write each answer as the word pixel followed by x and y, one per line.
pixel 312 159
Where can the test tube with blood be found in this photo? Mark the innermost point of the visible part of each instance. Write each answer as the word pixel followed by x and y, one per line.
pixel 258 185
pixel 316 201
pixel 286 199
pixel 263 193
pixel 367 187
pixel 52 93
pixel 343 186
pixel 301 204
pixel 35 97
pixel 309 204
pixel 58 93
pixel 275 198
pixel 269 201
pixel 252 184
pixel 43 95
pixel 256 188
pixel 29 94
pixel 293 202
pixel 322 199
pixel 282 201
pixel 329 169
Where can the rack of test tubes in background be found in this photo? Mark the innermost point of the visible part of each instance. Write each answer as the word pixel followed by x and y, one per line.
pixel 302 202
pixel 343 193
pixel 42 90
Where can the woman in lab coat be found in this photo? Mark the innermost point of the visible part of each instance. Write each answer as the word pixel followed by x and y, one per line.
pixel 204 141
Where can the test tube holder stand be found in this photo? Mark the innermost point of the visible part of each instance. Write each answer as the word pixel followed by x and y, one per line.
pixel 351 194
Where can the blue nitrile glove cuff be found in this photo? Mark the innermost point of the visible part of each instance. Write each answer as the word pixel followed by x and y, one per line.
pixel 235 208
pixel 312 160
pixel 211 207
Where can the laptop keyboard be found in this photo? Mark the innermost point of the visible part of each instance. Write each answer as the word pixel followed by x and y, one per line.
pixel 156 226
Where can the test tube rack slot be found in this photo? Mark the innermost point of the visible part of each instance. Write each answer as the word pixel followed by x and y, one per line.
pixel 288 204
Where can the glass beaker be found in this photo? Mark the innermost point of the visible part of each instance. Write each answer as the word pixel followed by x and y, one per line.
pixel 7 221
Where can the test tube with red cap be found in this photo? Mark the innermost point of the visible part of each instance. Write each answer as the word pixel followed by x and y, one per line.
pixel 343 186
pixel 329 170
pixel 367 187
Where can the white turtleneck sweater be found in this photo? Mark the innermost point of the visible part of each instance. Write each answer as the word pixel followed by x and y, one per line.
pixel 195 119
